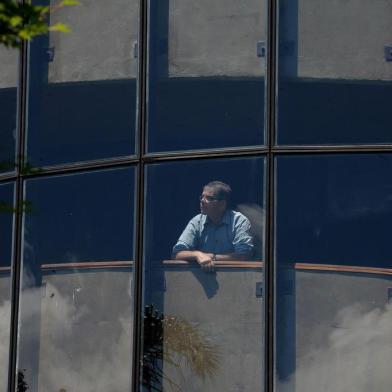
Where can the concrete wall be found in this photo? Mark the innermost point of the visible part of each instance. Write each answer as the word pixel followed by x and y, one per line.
pixel 8 67
pixel 100 46
pixel 338 39
pixel 216 37
pixel 344 39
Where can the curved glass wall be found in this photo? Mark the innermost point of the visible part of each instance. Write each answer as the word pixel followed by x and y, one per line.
pixel 334 276
pixel 253 264
pixel 76 302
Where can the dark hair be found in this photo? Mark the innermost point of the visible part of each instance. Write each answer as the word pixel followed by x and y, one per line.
pixel 221 190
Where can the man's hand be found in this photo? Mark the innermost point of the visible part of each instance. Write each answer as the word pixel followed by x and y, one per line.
pixel 205 261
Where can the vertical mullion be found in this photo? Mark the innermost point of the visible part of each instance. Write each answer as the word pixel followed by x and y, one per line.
pixel 269 266
pixel 15 285
pixel 18 216
pixel 138 265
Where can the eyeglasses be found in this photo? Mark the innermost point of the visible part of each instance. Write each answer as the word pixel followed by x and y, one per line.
pixel 208 199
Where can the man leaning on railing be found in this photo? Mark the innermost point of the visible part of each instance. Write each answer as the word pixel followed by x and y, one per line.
pixel 217 233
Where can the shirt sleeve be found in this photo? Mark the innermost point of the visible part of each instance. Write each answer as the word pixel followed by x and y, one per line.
pixel 188 238
pixel 243 240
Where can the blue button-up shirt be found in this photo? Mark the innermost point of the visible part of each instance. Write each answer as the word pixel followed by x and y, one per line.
pixel 231 235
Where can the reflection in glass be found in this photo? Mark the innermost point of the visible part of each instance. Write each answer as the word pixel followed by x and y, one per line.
pixel 6 225
pixel 334 77
pixel 82 99
pixel 174 340
pixel 206 80
pixel 76 300
pixel 205 285
pixel 334 314
pixel 8 99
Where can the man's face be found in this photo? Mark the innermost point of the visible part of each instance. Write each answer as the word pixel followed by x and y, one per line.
pixel 209 204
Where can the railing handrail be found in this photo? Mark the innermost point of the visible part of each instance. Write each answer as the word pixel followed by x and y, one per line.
pixel 219 264
pixel 87 265
pixel 343 268
pixel 257 264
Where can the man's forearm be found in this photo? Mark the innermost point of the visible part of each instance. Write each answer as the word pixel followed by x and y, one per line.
pixel 187 255
pixel 198 255
pixel 232 257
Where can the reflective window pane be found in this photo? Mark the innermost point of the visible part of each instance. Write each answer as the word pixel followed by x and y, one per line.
pixel 8 100
pixel 335 72
pixel 334 273
pixel 82 101
pixel 76 299
pixel 6 228
pixel 206 74
pixel 203 276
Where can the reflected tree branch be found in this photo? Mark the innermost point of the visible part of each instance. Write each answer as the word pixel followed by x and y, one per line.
pixel 22 384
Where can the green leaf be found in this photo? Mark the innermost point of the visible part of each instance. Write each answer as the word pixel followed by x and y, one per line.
pixel 15 20
pixel 66 3
pixel 60 27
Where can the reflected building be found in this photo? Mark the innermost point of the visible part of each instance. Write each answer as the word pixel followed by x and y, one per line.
pixel 108 135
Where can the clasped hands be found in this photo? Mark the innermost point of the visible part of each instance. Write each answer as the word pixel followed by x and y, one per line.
pixel 205 260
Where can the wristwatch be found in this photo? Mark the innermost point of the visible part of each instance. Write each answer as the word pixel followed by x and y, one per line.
pixel 214 257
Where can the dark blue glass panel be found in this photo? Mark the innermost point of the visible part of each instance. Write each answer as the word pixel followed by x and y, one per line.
pixel 334 87
pixel 206 75
pixel 333 255
pixel 6 222
pixel 76 297
pixel 88 217
pixel 82 92
pixel 6 230
pixel 213 312
pixel 8 100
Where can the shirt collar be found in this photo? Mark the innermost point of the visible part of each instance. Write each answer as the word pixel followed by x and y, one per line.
pixel 225 219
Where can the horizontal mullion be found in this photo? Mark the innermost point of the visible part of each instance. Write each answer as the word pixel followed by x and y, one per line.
pixel 79 167
pixel 200 154
pixel 347 148
pixel 6 177
pixel 188 155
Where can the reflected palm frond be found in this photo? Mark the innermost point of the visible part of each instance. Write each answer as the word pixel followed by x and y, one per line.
pixel 171 340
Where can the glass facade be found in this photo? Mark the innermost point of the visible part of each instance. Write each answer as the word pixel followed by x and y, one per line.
pixel 195 196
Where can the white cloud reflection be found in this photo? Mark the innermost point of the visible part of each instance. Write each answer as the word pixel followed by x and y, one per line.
pixel 78 328
pixel 356 355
